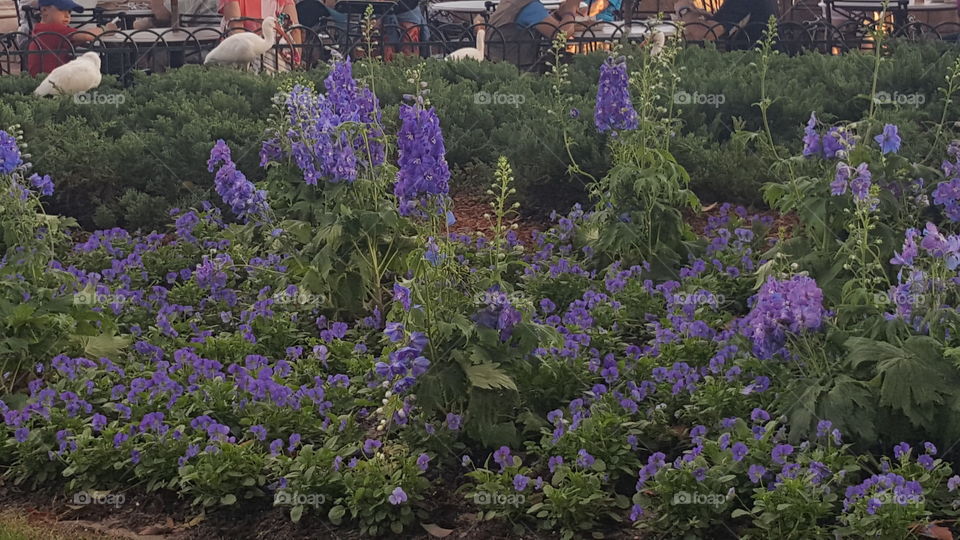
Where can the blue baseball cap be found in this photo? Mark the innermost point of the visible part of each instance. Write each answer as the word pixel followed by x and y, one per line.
pixel 65 5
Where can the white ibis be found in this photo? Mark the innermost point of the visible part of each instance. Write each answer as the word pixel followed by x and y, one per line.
pixel 475 53
pixel 243 48
pixel 76 76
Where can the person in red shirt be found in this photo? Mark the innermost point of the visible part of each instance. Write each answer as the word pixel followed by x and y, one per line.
pixel 53 36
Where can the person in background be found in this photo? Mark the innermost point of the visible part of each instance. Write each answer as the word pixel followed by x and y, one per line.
pixel 516 20
pixel 195 12
pixel 404 26
pixel 53 36
pixel 746 18
pixel 256 9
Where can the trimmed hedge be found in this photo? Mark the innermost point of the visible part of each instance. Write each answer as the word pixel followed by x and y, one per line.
pixel 127 164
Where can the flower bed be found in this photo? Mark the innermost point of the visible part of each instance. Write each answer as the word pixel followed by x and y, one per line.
pixel 324 344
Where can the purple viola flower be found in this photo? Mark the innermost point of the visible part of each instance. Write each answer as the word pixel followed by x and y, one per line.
pixel 901 450
pixel 423 462
pixel 98 422
pixel 397 496
pixel 21 434
pixel 370 446
pixel 520 482
pixel 502 457
pixel 554 462
pixel 294 442
pixel 812 145
pixel 841 180
pixel 889 140
pixel 755 473
pixel 929 448
pixel 953 483
pixel 636 512
pixel 926 461
pixel 614 109
pixel 276 446
pixel 780 453
pixel 759 415
pixel 259 432
pixel 823 427
pixel 584 459
pixel 700 474
pixel 453 421
pixel 739 451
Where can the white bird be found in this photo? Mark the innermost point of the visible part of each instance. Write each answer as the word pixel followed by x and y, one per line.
pixel 78 75
pixel 475 53
pixel 244 48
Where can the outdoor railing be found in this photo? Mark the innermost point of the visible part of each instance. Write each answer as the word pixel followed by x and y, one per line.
pixel 154 50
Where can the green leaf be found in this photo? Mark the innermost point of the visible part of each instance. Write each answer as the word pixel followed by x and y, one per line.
pixel 489 376
pixel 103 345
pixel 336 514
pixel 228 499
pixel 296 513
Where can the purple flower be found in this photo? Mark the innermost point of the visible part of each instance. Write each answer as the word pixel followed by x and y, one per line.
pixel 780 453
pixel 739 451
pixel 584 459
pixel 860 185
pixel 926 461
pixel 42 183
pixel 401 294
pixel 812 145
pixel 398 496
pixel 755 473
pixel 953 483
pixel 823 427
pixel 276 446
pixel 636 512
pixel 759 415
pixel 889 140
pixel 394 331
pixel 10 157
pixel 614 109
pixel 233 187
pixel 502 457
pixel 453 421
pixel 423 461
pixel 520 482
pixel 782 308
pixel 423 176
pixel 370 446
pixel 901 450
pixel 259 432
pixel 930 448
pixel 554 462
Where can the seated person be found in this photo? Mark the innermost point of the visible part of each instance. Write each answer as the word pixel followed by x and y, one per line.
pixel 196 12
pixel 403 25
pixel 256 9
pixel 515 22
pixel 748 18
pixel 53 36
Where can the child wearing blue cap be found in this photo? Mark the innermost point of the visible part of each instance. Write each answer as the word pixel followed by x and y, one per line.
pixel 52 36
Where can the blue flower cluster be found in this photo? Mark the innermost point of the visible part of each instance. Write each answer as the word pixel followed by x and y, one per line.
pixel 499 313
pixel 423 176
pixel 614 110
pixel 246 201
pixel 10 157
pixel 791 306
pixel 835 143
pixel 332 136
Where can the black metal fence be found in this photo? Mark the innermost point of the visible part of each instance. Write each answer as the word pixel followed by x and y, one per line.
pixel 155 50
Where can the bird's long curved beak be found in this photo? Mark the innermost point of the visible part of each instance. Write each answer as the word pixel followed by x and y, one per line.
pixel 284 35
